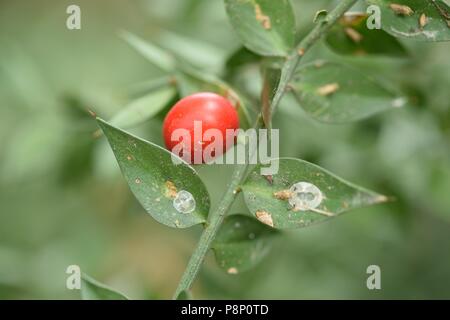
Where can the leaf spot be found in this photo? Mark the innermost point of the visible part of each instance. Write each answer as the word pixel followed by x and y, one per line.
pixel 423 20
pixel 137 181
pixel 283 194
pixel 171 190
pixel 328 89
pixel 401 10
pixel 264 217
pixel 269 178
pixel 265 20
pixel 354 35
pixel 232 270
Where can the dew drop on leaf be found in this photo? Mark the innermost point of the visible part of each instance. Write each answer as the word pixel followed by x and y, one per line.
pixel 184 202
pixel 305 196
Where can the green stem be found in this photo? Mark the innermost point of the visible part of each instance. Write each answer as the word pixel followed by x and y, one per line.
pixel 210 231
pixel 216 217
pixel 321 28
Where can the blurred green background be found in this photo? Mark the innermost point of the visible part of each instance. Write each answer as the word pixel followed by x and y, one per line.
pixel 63 200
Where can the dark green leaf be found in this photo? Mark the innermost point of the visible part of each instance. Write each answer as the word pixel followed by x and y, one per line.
pixel 241 57
pixel 191 81
pixel 241 243
pixel 273 202
pixel 152 53
pixel 266 27
pixel 143 108
pixel 93 290
pixel 437 15
pixel 335 93
pixel 351 36
pixel 155 180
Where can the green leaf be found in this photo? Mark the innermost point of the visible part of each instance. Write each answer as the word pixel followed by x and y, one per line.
pixel 437 13
pixel 241 57
pixel 272 201
pixel 335 93
pixel 190 81
pixel 152 53
pixel 192 50
pixel 143 108
pixel 91 289
pixel 352 37
pixel 155 180
pixel 242 243
pixel 266 27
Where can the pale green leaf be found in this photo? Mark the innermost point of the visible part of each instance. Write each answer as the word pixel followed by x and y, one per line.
pixel 242 243
pixel 335 93
pixel 156 180
pixel 272 201
pixel 266 27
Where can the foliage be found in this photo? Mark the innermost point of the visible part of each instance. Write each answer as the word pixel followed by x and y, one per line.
pixel 77 208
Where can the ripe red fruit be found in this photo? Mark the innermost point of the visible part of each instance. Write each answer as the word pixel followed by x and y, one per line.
pixel 208 110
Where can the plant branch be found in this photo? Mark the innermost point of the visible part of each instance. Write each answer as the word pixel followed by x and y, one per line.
pixel 216 217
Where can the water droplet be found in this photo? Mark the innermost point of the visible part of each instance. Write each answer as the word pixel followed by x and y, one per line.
pixel 237 225
pixel 184 202
pixel 305 196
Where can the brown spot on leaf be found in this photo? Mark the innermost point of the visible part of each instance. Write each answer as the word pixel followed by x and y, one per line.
pixel 401 9
pixel 232 270
pixel 283 194
pixel 264 217
pixel 97 134
pixel 353 18
pixel 423 20
pixel 171 190
pixel 265 20
pixel 301 52
pixel 354 35
pixel 137 181
pixel 269 178
pixel 319 64
pixel 129 158
pixel 328 89
pixel 92 113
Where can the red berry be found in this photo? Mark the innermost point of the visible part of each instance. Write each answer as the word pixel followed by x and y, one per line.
pixel 208 110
